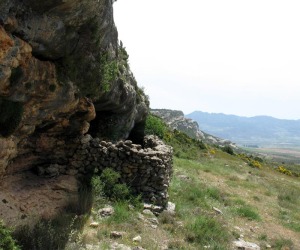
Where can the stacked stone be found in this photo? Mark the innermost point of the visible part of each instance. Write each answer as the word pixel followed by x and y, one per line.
pixel 147 170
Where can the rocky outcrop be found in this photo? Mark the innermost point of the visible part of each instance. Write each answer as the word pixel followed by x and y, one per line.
pixel 176 120
pixel 63 73
pixel 61 67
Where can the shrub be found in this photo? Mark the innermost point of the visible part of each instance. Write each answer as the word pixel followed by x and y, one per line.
pixel 200 144
pixel 109 179
pixel 283 170
pixel 122 52
pixel 120 192
pixel 6 240
pixel 254 164
pixel 155 126
pixel 109 72
pixel 107 184
pixel 228 150
pixel 212 151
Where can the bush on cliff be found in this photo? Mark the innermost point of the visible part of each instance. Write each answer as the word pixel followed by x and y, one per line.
pixel 155 126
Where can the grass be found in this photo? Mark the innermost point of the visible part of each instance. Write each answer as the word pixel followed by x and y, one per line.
pixel 260 204
pixel 206 231
pixel 247 212
pixel 49 234
pixel 122 213
pixel 283 244
pixel 243 193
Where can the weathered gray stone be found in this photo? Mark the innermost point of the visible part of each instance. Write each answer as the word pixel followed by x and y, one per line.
pixel 241 244
pixel 106 211
pixel 147 170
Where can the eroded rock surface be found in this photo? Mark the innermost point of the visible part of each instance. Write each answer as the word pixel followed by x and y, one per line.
pixel 63 73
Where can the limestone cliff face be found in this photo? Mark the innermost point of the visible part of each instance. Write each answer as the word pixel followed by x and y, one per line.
pixel 61 67
pixel 63 74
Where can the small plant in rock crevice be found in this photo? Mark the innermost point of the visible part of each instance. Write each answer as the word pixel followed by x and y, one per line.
pixel 109 72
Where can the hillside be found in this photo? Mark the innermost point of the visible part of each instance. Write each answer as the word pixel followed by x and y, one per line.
pixel 259 206
pixel 261 131
pixel 217 201
pixel 175 119
pixel 85 166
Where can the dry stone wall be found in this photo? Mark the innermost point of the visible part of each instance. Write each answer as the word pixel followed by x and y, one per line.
pixel 147 170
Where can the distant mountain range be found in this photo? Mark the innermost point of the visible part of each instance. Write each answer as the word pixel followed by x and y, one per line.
pixel 258 131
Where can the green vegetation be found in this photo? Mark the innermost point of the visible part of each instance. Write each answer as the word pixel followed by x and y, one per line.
pixel 10 116
pixel 206 231
pixel 253 161
pixel 6 240
pixel 228 149
pixel 98 76
pixel 282 243
pixel 247 212
pixel 123 53
pixel 183 145
pixel 108 71
pixel 218 196
pixel 47 234
pixel 283 170
pixel 108 184
pixel 122 213
pixel 155 126
pixel 95 77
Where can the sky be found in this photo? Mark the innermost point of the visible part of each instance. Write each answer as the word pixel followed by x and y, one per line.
pixel 237 57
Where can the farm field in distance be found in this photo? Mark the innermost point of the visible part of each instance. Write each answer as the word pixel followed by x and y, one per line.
pixel 285 155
